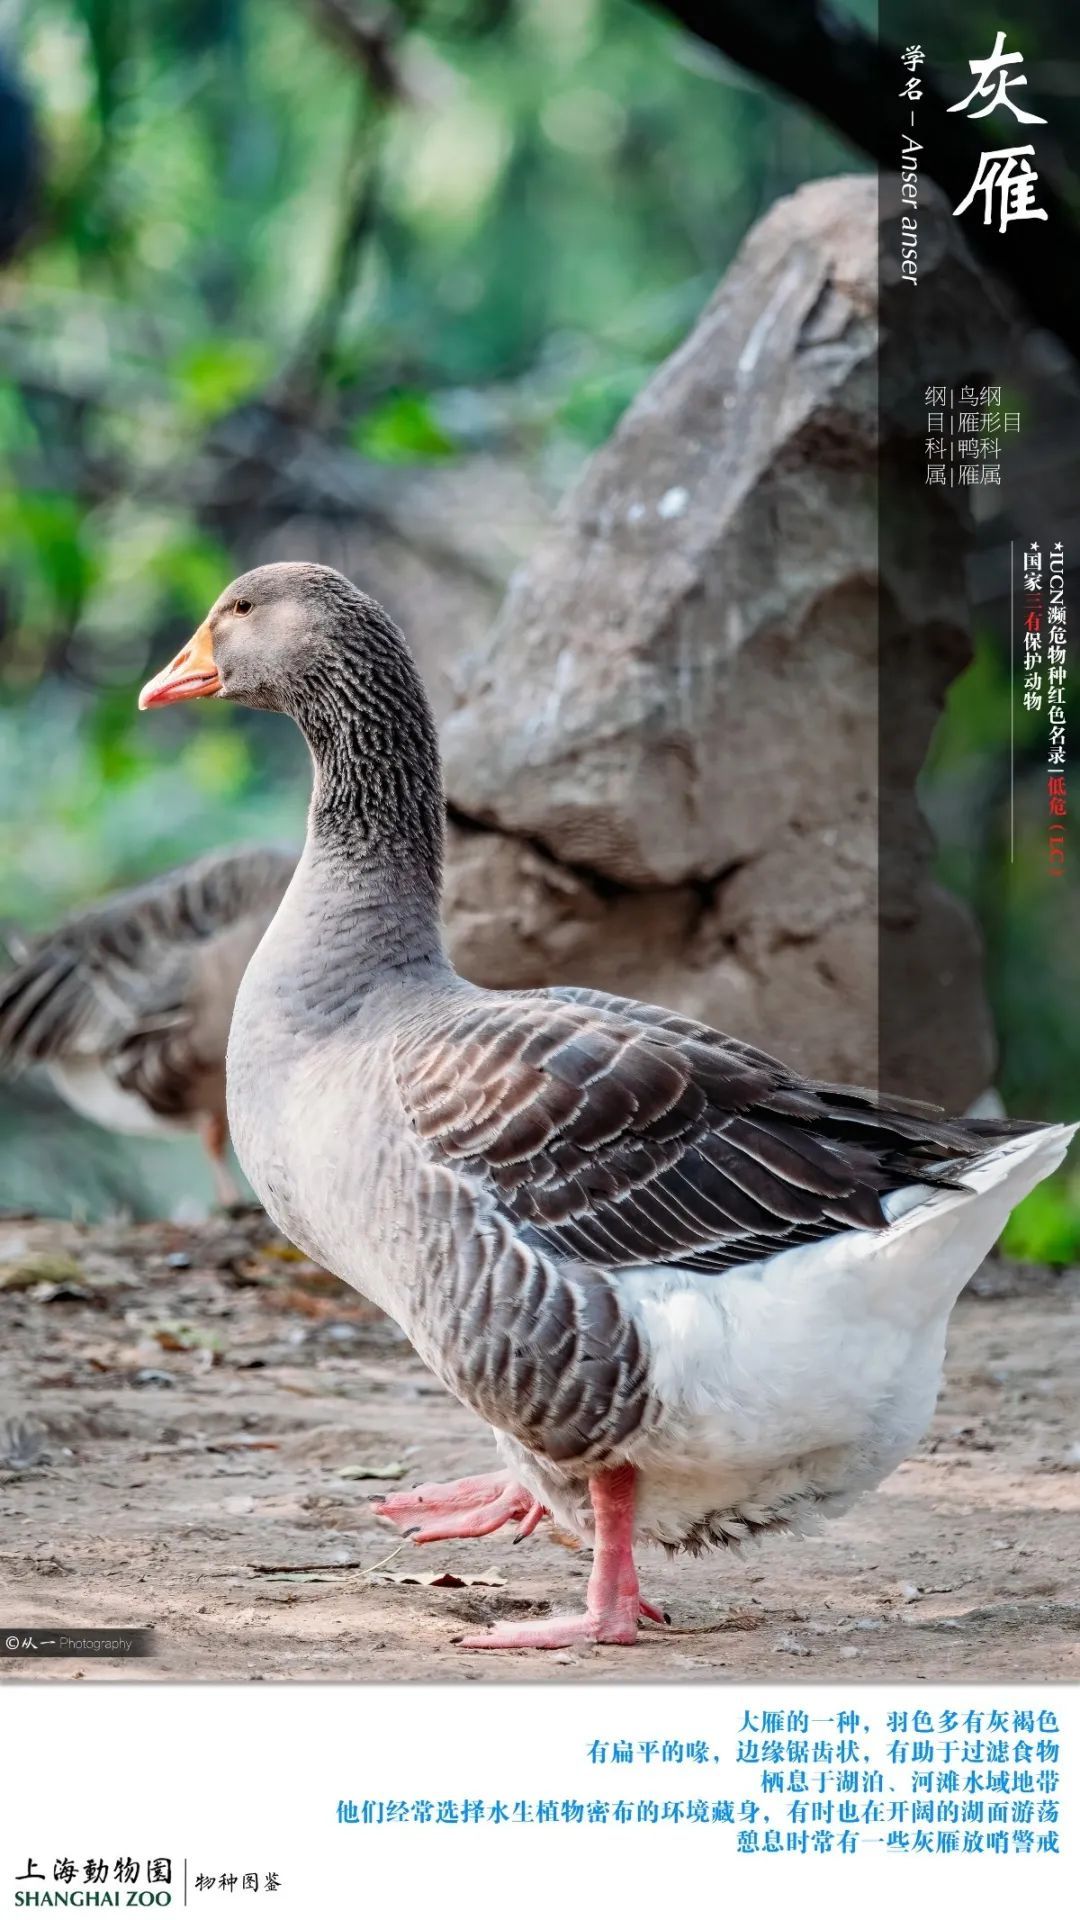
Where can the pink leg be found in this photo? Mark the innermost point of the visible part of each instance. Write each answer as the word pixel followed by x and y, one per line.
pixel 462 1509
pixel 613 1601
pixel 214 1131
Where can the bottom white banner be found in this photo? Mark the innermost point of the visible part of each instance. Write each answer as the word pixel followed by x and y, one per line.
pixel 308 1801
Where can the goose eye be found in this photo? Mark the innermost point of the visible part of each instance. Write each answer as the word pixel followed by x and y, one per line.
pixel 241 606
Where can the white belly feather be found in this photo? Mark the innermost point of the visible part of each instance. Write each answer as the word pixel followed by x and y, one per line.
pixel 793 1385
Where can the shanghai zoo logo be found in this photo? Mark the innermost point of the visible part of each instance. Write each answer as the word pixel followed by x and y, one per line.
pixel 128 1883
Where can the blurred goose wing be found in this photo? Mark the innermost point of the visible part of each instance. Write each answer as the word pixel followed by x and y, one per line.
pixel 126 983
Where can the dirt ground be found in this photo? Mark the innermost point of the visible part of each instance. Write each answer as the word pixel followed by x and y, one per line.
pixel 193 1423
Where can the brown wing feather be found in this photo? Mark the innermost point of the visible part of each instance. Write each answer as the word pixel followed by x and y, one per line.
pixel 620 1134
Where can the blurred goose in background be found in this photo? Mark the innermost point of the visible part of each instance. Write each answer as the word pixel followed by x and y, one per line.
pixel 698 1295
pixel 127 1005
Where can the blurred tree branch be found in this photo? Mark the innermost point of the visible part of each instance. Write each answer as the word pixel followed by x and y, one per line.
pixel 108 25
pixel 312 362
pixel 847 76
pixel 20 162
pixel 370 38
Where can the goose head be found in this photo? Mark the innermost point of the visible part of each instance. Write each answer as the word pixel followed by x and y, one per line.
pixel 273 634
pixel 302 640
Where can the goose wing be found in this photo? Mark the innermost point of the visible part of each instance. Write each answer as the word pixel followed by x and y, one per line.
pixel 117 983
pixel 623 1135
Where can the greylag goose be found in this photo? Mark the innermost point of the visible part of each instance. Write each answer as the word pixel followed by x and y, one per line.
pixel 696 1294
pixel 127 1005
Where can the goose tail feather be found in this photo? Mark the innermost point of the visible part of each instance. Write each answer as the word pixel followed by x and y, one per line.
pixel 1000 1177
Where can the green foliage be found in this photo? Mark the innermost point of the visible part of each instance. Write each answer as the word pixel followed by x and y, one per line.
pixel 212 376
pixel 1046 1226
pixel 403 427
pixel 43 535
pixel 500 249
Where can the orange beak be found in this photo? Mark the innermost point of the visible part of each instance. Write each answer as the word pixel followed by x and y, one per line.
pixel 189 677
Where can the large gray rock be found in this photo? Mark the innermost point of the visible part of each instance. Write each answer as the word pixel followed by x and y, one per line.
pixel 697 632
pixel 664 757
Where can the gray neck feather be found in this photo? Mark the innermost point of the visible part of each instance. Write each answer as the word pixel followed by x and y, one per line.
pixel 375 826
